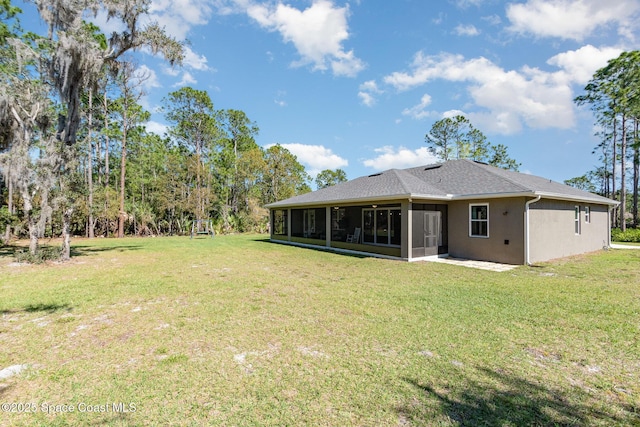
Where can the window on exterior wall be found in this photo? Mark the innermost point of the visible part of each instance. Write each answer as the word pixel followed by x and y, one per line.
pixel 587 214
pixel 479 220
pixel 576 220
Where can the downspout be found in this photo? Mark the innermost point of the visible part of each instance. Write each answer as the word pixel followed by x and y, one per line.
pixel 527 248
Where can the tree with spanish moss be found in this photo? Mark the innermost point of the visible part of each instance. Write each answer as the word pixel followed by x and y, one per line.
pixel 77 60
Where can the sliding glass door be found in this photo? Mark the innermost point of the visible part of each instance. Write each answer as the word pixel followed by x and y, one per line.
pixel 381 226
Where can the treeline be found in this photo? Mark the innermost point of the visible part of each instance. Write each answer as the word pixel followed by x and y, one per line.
pixel 207 166
pixel 77 158
pixel 613 96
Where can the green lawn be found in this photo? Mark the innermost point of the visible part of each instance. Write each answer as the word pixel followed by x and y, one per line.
pixel 236 331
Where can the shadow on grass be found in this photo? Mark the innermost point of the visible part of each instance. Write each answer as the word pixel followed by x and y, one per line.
pixel 8 250
pixel 337 251
pixel 36 308
pixel 501 399
pixel 88 250
pixel 76 251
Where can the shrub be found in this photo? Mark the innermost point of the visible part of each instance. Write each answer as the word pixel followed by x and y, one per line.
pixel 43 254
pixel 631 235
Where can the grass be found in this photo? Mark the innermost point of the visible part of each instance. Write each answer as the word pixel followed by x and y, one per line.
pixel 238 331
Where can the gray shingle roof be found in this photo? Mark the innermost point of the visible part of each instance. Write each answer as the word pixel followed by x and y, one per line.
pixel 450 180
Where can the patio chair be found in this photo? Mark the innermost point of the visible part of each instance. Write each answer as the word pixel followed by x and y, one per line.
pixel 355 237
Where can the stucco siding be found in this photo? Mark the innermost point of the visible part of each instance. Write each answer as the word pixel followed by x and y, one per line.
pixel 553 229
pixel 505 242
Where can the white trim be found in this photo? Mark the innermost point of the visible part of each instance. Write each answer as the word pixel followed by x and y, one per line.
pixel 471 220
pixel 587 214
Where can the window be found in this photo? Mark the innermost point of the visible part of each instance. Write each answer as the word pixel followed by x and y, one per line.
pixel 576 220
pixel 587 214
pixel 479 220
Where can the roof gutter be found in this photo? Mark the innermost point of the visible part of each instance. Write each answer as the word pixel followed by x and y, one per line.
pixel 527 244
pixel 553 196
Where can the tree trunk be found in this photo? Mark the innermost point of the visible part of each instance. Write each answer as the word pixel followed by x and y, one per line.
pixel 123 164
pixel 623 175
pixel 66 233
pixel 636 171
pixel 27 205
pixel 7 232
pixel 613 169
pixel 91 227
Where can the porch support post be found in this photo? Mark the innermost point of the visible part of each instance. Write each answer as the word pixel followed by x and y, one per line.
pixel 327 226
pixel 405 240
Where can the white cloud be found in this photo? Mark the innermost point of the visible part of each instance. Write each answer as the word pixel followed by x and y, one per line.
pixel 492 19
pixel 367 99
pixel 157 128
pixel 367 91
pixel 571 19
pixel 317 157
pixel 370 86
pixel 509 98
pixel 195 61
pixel 179 16
pixel 419 111
pixel 390 157
pixel 581 64
pixel 317 33
pixel 187 79
pixel 147 77
pixel 467 30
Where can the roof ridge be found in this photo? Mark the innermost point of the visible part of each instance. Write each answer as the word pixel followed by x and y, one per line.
pixel 403 181
pixel 489 168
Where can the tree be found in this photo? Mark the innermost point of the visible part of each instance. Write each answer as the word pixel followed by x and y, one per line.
pixel 77 60
pixel 26 116
pixel 191 113
pixel 613 94
pixel 8 13
pixel 446 139
pixel 284 176
pixel 582 183
pixel 456 138
pixel 232 178
pixel 499 157
pixel 328 177
pixel 7 67
pixel 131 115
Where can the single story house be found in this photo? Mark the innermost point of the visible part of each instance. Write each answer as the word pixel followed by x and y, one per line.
pixel 459 208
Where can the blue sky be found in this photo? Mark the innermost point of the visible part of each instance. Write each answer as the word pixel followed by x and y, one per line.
pixel 357 84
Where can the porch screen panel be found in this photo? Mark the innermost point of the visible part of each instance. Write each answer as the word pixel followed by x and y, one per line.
pixel 382 226
pixel 280 227
pixel 395 226
pixel 368 230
